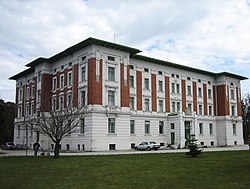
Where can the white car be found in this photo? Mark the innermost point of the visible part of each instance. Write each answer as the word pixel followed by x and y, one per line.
pixel 148 145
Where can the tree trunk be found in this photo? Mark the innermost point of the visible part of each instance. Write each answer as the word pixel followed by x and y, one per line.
pixel 56 151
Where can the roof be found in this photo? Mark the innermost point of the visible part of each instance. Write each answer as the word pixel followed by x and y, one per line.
pixel 182 67
pixel 23 73
pixel 133 53
pixel 84 44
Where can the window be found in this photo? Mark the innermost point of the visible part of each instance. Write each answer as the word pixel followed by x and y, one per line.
pixel 161 127
pixel 234 129
pixel 177 76
pixel 146 83
pixel 232 94
pixel 19 112
pixel 233 110
pixel 111 146
pixel 131 80
pixel 70 64
pixel 82 126
pixel 55 70
pixel 132 103
pixel 178 106
pixel 32 109
pixel 189 108
pixel 201 128
pixel 83 96
pixel 20 94
pixel 111 98
pixel 160 85
pixel 173 107
pixel 111 74
pixel 69 100
pixel 211 129
pixel 111 125
pixel 231 84
pixel 200 109
pixel 172 125
pixel 132 126
pixel 210 110
pixel 83 58
pixel 173 88
pixel 62 81
pixel 145 69
pixel 83 73
pixel 209 93
pixel 188 78
pixel 178 88
pixel 33 91
pixel 111 58
pixel 131 67
pixel 61 101
pixel 54 84
pixel 160 105
pixel 28 92
pixel 189 90
pixel 209 82
pixel 199 92
pixel 199 80
pixel 160 72
pixel 172 75
pixel 62 67
pixel 53 104
pixel 172 140
pixel 146 101
pixel 38 95
pixel 70 78
pixel 147 127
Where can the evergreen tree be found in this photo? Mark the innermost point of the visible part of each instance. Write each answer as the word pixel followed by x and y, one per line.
pixel 194 150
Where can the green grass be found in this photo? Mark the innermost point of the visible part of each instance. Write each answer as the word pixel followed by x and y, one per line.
pixel 210 170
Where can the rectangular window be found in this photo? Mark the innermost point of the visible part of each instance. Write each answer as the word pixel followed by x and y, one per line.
pixel 83 97
pixel 178 106
pixel 147 127
pixel 131 67
pixel 38 95
pixel 132 126
pixel 201 128
pixel 178 88
pixel 211 129
pixel 82 126
pixel 189 90
pixel 54 84
pixel 210 110
pixel 234 129
pixel 232 94
pixel 28 92
pixel 132 103
pixel 160 72
pixel 189 108
pixel 146 83
pixel 61 102
pixel 111 74
pixel 233 110
pixel 111 58
pixel 172 125
pixel 111 125
pixel 173 107
pixel 19 112
pixel 53 104
pixel 160 105
pixel 20 94
pixel 111 98
pixel 62 81
pixel 69 78
pixel 32 109
pixel 200 109
pixel 39 76
pixel 173 88
pixel 83 73
pixel 146 101
pixel 145 69
pixel 161 127
pixel 33 91
pixel 160 85
pixel 69 100
pixel 209 93
pixel 199 92
pixel 131 80
pixel 172 138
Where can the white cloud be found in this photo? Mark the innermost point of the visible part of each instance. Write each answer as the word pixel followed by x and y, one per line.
pixel 208 34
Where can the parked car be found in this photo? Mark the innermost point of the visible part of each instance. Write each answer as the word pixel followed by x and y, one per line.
pixel 148 145
pixel 8 146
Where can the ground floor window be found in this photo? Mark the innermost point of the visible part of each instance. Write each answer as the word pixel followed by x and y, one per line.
pixel 147 127
pixel 132 126
pixel 161 127
pixel 111 125
pixel 172 138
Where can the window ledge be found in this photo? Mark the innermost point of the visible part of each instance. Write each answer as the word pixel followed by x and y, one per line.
pixel 132 134
pixel 111 134
pixel 147 134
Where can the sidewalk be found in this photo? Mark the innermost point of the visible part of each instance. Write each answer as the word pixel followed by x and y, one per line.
pixel 6 153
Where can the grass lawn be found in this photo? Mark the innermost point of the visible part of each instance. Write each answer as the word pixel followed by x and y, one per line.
pixel 210 170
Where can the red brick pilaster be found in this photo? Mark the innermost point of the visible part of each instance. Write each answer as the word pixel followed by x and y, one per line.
pixel 205 98
pixel 16 106
pixel 239 105
pixel 94 85
pixel 222 102
pixel 167 94
pixel 214 101
pixel 139 89
pixel 195 96
pixel 183 91
pixel 75 85
pixel 125 90
pixel 46 85
pixel 153 91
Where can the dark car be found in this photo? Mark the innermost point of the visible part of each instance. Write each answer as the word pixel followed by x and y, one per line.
pixel 8 146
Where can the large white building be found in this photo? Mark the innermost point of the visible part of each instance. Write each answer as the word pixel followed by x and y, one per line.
pixel 131 98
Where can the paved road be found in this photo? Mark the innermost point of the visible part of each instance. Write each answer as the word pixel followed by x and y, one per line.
pixel 4 153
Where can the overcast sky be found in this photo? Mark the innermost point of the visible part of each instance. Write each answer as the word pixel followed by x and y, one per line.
pixel 207 34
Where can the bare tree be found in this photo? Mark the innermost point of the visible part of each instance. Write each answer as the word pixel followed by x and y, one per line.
pixel 246 116
pixel 57 124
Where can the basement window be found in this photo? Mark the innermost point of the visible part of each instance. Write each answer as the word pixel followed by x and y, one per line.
pixel 111 146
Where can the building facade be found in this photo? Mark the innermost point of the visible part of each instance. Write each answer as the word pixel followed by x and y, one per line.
pixel 130 98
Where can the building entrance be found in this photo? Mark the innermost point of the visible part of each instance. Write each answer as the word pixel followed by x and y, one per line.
pixel 187 132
